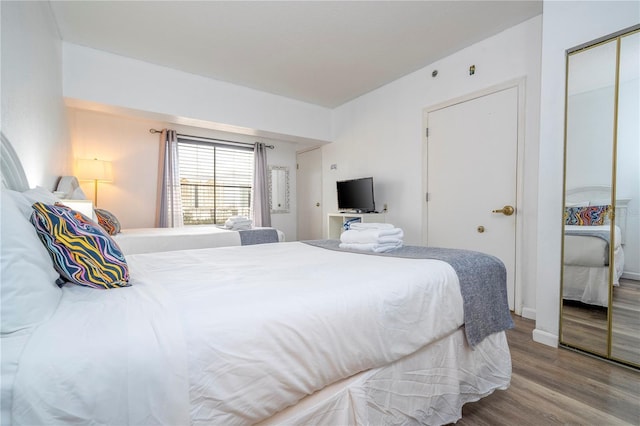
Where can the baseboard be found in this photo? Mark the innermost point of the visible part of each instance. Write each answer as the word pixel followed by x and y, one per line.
pixel 631 276
pixel 545 338
pixel 528 313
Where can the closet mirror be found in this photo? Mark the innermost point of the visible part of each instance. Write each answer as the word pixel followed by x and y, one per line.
pixel 278 178
pixel 600 303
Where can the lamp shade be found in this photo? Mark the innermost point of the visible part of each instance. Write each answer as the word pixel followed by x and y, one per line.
pixel 95 169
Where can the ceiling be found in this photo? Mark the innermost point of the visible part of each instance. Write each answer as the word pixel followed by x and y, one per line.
pixel 322 52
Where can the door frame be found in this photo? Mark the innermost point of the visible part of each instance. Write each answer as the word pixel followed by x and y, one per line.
pixel 520 84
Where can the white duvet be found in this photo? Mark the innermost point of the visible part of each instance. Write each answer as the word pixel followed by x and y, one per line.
pixel 228 335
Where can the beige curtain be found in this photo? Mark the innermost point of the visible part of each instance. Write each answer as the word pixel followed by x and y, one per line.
pixel 261 211
pixel 169 208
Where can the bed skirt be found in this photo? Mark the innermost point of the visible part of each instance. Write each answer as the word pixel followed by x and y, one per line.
pixel 427 387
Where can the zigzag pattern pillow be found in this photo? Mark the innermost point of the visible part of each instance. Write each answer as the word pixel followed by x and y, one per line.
pixel 82 252
pixel 586 216
pixel 108 221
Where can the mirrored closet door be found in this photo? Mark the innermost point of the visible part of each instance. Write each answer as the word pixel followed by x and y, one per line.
pixel 600 303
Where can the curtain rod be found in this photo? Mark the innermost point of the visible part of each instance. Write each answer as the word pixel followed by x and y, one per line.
pixel 211 139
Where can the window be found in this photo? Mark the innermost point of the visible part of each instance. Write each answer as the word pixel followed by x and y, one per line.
pixel 215 181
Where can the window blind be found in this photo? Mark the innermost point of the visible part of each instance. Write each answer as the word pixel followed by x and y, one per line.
pixel 215 182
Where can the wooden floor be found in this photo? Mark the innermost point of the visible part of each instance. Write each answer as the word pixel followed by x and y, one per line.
pixel 585 326
pixel 625 334
pixel 552 386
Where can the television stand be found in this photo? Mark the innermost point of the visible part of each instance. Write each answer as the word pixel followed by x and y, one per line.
pixel 335 221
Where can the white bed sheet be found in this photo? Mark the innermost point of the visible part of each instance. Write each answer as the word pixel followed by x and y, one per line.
pixel 152 240
pixel 239 333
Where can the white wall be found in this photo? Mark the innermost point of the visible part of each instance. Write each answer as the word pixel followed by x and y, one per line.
pixel 33 113
pixel 380 133
pixel 126 141
pixel 565 25
pixel 104 78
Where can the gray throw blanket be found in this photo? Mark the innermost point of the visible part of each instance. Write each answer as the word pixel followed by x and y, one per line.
pixel 603 235
pixel 258 236
pixel 483 284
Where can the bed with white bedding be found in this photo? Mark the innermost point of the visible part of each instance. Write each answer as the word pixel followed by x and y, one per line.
pixel 150 240
pixel 179 347
pixel 286 333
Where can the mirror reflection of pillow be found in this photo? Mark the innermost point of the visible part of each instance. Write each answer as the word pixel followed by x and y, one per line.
pixel 82 252
pixel 586 216
pixel 108 221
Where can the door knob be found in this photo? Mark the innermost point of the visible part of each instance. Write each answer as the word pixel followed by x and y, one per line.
pixel 506 210
pixel 317 204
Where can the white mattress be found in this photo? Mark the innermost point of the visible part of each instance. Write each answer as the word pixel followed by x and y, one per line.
pixel 152 240
pixel 229 335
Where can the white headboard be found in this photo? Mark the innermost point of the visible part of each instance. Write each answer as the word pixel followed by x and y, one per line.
pixel 13 176
pixel 600 195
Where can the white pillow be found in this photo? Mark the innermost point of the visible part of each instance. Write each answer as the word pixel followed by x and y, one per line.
pixel 577 204
pixel 40 195
pixel 28 292
pixel 24 200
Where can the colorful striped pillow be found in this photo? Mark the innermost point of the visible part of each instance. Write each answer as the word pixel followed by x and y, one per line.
pixel 82 252
pixel 108 221
pixel 586 216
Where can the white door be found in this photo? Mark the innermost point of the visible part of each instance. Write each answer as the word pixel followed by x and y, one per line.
pixel 472 150
pixel 309 194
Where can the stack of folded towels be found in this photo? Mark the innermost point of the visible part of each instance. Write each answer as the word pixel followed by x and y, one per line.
pixel 375 237
pixel 238 223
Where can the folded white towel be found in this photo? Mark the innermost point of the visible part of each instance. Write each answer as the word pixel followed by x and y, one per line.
pixel 238 223
pixel 238 219
pixel 378 236
pixel 372 225
pixel 373 247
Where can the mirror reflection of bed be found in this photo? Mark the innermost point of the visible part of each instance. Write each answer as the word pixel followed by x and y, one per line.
pixel 586 264
pixel 586 274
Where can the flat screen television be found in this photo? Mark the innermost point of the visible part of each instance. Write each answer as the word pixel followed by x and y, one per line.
pixel 356 195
